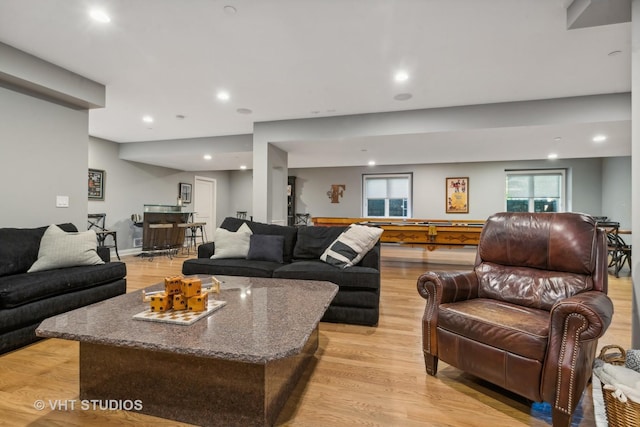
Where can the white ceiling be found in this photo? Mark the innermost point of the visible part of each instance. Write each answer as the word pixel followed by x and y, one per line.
pixel 290 59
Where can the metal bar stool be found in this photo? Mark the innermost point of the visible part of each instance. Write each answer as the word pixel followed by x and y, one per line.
pixel 96 222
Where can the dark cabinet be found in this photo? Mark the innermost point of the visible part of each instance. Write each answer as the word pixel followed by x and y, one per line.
pixel 291 200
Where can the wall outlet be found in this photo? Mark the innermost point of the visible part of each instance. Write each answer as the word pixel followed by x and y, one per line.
pixel 62 201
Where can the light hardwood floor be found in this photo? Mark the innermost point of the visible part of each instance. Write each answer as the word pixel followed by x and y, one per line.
pixel 371 376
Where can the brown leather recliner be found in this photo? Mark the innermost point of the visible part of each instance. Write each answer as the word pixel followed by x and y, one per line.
pixel 529 315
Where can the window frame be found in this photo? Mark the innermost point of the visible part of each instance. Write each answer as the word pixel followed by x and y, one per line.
pixel 563 203
pixel 409 207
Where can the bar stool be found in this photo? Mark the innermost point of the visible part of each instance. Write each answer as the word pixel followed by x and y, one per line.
pixel 302 219
pixel 96 222
pixel 161 239
pixel 241 214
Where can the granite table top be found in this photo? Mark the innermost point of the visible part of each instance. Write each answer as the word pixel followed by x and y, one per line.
pixel 263 320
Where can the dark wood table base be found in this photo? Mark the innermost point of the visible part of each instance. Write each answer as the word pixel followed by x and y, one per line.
pixel 192 389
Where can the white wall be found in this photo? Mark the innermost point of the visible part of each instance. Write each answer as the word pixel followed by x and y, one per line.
pixel 43 154
pixel 616 190
pixel 486 187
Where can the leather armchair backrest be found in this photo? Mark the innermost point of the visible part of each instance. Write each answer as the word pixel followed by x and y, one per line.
pixel 536 259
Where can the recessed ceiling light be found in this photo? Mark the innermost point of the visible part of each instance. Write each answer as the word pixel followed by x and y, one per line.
pixel 372 163
pixel 599 138
pixel 243 167
pixel 223 96
pixel 230 10
pixel 552 156
pixel 557 139
pixel 99 15
pixel 614 53
pixel 147 119
pixel 402 96
pixel 180 116
pixel 401 76
pixel 207 157
pixel 243 111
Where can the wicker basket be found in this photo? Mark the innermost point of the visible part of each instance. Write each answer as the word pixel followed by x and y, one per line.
pixel 618 414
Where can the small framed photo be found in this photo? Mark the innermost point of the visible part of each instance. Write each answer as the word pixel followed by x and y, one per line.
pixel 96 184
pixel 184 190
pixel 457 195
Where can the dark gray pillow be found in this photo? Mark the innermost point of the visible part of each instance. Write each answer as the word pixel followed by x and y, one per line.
pixel 263 247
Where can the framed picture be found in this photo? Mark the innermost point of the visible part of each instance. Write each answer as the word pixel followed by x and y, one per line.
pixel 457 195
pixel 184 190
pixel 96 184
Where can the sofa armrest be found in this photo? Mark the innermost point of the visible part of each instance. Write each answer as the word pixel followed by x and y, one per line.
pixel 371 258
pixel 576 323
pixel 104 253
pixel 206 250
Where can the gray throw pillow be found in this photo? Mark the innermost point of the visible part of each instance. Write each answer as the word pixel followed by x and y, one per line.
pixel 265 247
pixel 59 249
pixel 230 244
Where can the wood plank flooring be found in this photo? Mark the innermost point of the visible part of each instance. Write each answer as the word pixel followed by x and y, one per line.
pixel 361 376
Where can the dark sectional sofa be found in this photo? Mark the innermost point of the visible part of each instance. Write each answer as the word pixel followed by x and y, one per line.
pixel 358 297
pixel 26 299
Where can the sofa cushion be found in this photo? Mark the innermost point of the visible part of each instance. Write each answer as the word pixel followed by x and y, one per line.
pixel 289 233
pixel 353 244
pixel 229 267
pixel 19 248
pixel 59 249
pixel 313 241
pixel 263 247
pixel 356 277
pixel 498 324
pixel 231 244
pixel 24 288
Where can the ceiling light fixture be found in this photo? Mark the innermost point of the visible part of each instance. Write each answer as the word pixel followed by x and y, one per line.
pixel 243 167
pixel 243 111
pixel 147 119
pixel 614 53
pixel 372 163
pixel 402 96
pixel 599 138
pixel 99 15
pixel 207 157
pixel 552 156
pixel 401 76
pixel 230 10
pixel 223 96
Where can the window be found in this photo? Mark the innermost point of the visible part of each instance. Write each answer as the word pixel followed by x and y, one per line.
pixel 387 195
pixel 536 190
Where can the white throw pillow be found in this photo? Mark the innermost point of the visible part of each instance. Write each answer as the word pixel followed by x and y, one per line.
pixel 59 249
pixel 230 244
pixel 351 246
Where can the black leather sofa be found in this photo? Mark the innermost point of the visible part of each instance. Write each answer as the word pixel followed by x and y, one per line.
pixel 358 297
pixel 26 299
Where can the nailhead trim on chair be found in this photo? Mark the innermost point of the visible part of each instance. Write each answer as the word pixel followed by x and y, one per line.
pixel 573 361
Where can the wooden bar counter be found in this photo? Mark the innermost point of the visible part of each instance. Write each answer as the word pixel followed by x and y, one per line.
pixel 419 232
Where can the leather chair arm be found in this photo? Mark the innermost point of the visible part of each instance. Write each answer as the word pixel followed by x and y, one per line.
pixel 595 307
pixel 575 326
pixel 439 287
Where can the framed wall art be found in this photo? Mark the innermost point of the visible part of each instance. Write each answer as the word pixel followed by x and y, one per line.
pixel 184 191
pixel 457 195
pixel 96 184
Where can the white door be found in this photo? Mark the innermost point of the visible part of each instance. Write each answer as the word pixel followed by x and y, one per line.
pixel 204 204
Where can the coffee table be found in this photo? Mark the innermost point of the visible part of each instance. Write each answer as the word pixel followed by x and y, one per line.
pixel 236 366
